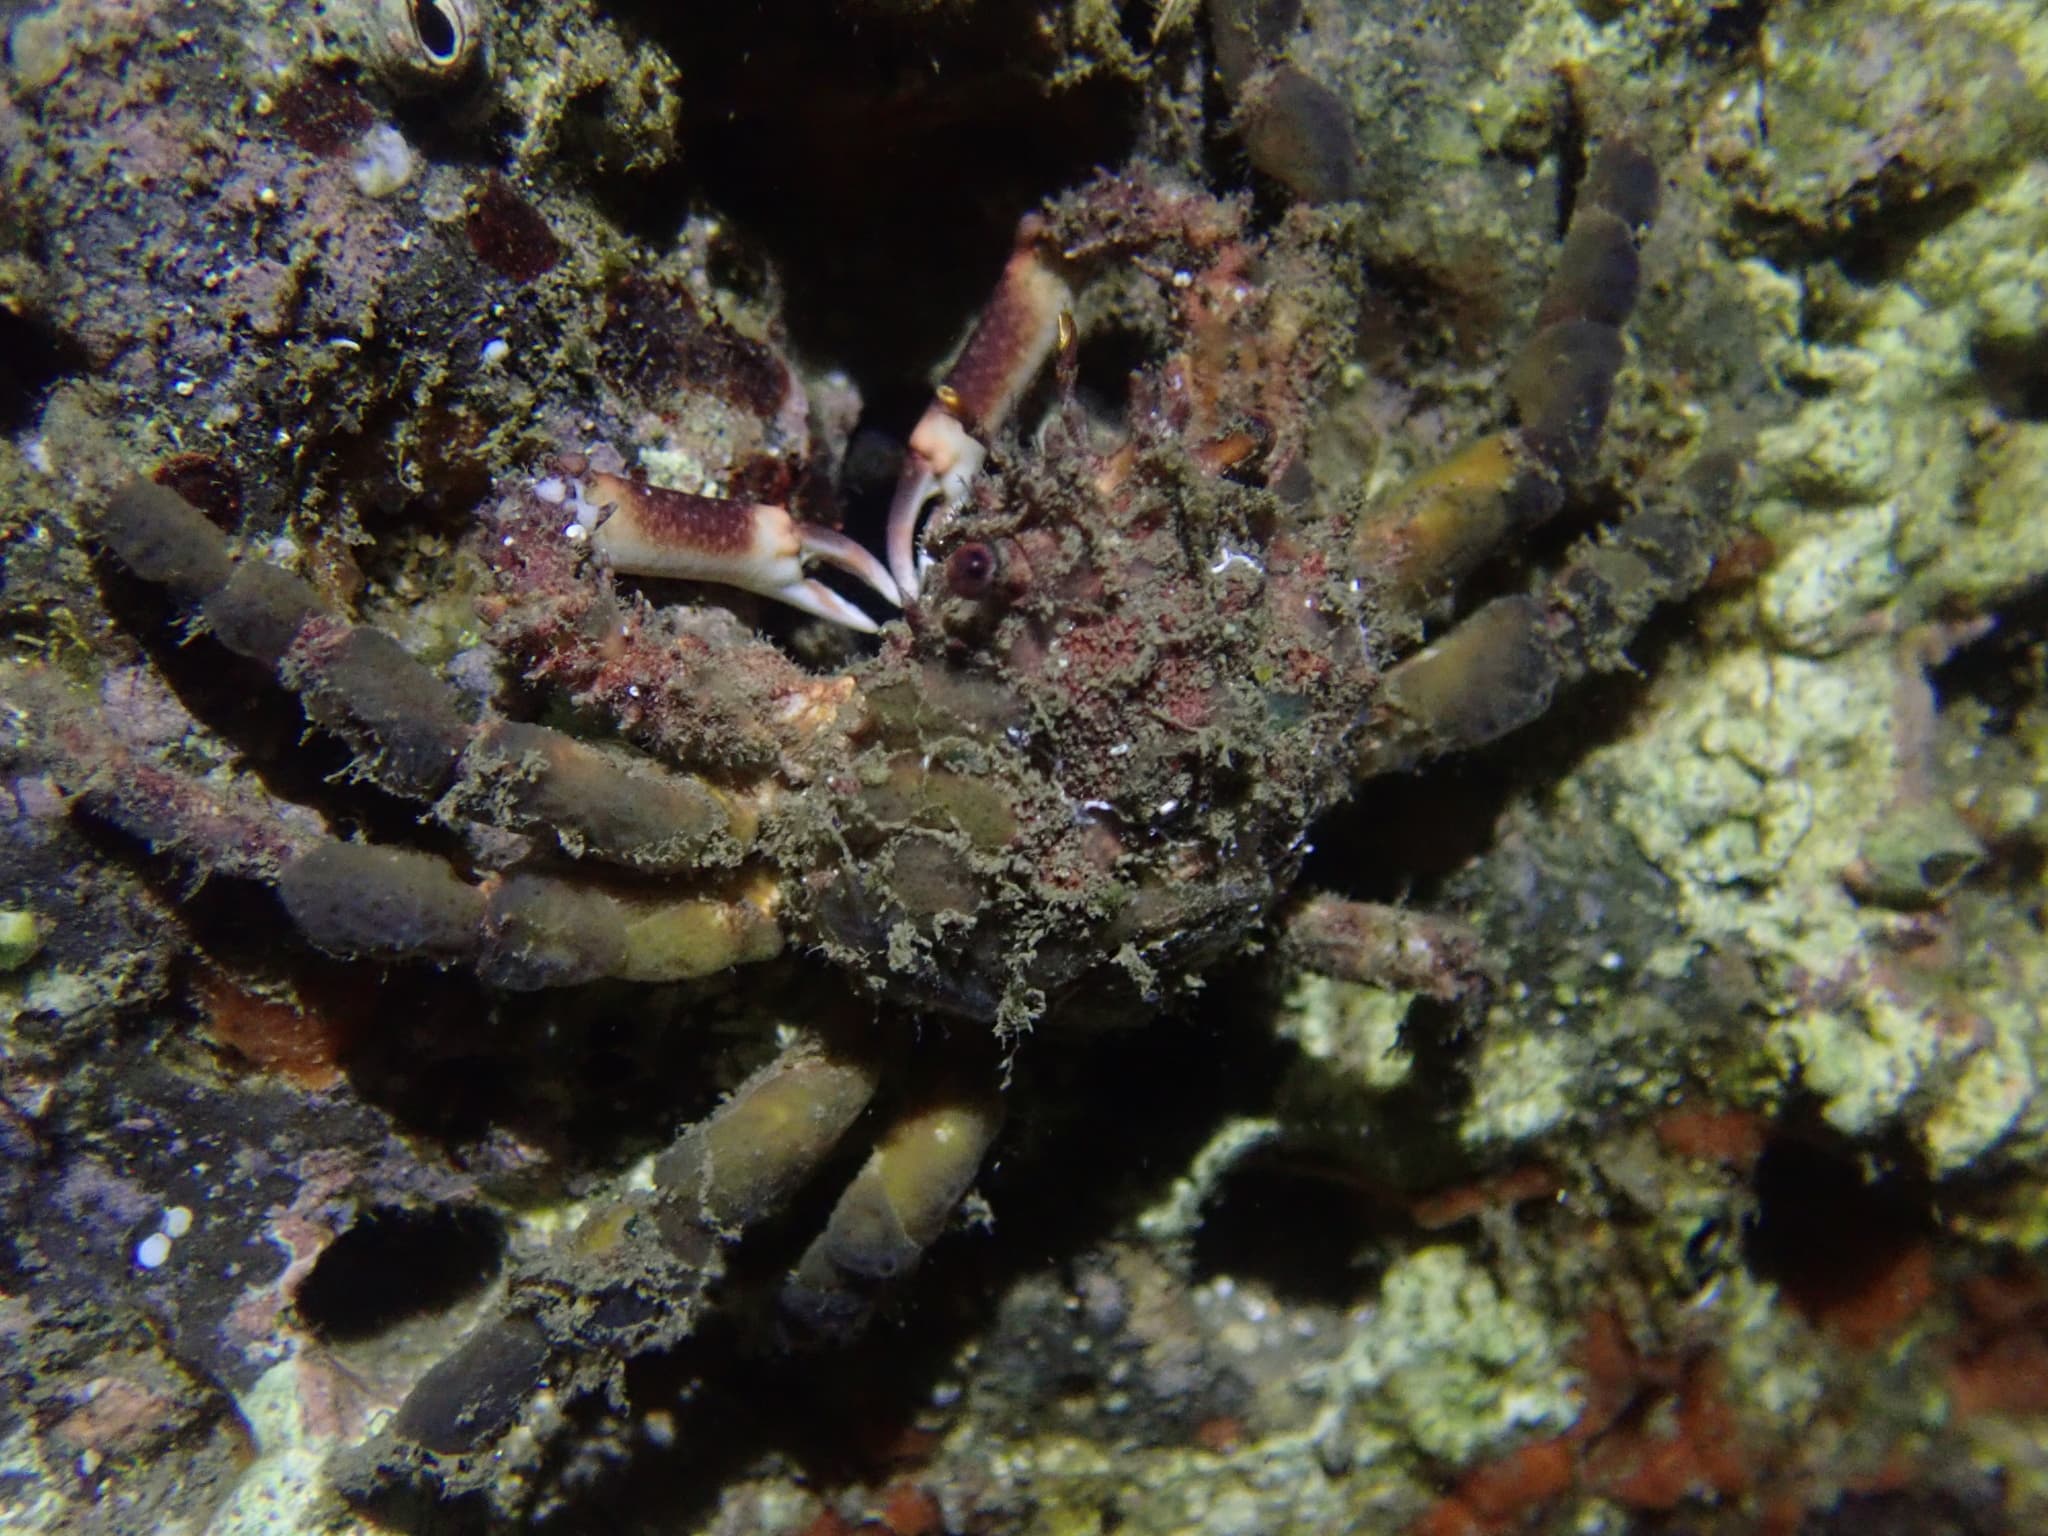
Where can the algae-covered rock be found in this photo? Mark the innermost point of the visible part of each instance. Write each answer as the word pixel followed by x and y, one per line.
pixel 1995 548
pixel 1450 1366
pixel 1876 111
pixel 1915 857
pixel 1774 882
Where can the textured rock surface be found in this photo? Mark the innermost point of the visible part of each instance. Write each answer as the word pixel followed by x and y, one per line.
pixel 1728 1207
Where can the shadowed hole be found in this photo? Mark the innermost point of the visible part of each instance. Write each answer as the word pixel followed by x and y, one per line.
pixel 436 30
pixel 2015 375
pixel 1828 1229
pixel 396 1264
pixel 1108 358
pixel 1307 1234
pixel 32 358
pixel 2002 670
pixel 1974 1506
pixel 1733 27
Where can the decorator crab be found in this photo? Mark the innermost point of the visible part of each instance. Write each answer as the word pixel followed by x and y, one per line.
pixel 1136 659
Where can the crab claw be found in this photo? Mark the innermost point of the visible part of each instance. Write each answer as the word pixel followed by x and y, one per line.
pixel 648 530
pixel 943 460
pixel 1016 333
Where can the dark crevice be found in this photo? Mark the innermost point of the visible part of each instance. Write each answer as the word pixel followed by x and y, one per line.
pixel 1108 358
pixel 2015 375
pixel 33 357
pixel 1308 1239
pixel 884 194
pixel 393 1265
pixel 1827 1220
pixel 1971 1501
pixel 1570 142
pixel 2002 670
pixel 1876 233
pixel 1877 247
pixel 1733 27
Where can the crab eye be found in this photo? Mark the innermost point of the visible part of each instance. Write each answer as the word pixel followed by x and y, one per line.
pixel 971 570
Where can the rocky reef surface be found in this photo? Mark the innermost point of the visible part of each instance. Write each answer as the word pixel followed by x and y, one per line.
pixel 1723 1210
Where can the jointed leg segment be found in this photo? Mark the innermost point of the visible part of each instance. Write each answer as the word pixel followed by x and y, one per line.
pixel 1420 544
pixel 896 1205
pixel 646 530
pixel 412 736
pixel 1014 336
pixel 519 931
pixel 634 1276
pixel 1499 667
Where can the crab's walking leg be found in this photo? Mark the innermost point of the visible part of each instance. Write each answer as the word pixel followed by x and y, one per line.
pixel 236 831
pixel 1385 946
pixel 645 530
pixel 1499 668
pixel 746 1160
pixel 1010 343
pixel 1295 128
pixel 896 1205
pixel 405 724
pixel 412 736
pixel 631 1278
pixel 521 931
pixel 1436 530
pixel 410 730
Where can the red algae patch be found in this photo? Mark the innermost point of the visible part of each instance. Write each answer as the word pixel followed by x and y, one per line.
pixel 509 234
pixel 322 115
pixel 301 1044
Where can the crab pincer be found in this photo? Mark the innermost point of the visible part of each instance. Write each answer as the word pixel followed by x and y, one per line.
pixel 648 530
pixel 1003 355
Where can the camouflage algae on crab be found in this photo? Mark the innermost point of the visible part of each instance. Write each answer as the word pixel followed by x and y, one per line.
pixel 1643 1117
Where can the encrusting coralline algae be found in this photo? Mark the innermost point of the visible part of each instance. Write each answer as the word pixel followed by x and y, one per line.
pixel 518 1011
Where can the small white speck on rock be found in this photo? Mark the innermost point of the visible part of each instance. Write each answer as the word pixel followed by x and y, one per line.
pixel 383 162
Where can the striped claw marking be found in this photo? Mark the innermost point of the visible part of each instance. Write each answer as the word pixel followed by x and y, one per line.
pixel 646 530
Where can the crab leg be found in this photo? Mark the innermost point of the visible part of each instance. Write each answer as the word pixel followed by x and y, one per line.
pixel 1497 669
pixel 407 727
pixel 520 932
pixel 633 1277
pixel 897 1204
pixel 1009 345
pixel 412 736
pixel 1435 531
pixel 1385 946
pixel 647 530
pixel 750 1156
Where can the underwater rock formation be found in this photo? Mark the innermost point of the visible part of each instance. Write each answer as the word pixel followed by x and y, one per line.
pixel 1635 1113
